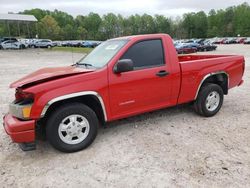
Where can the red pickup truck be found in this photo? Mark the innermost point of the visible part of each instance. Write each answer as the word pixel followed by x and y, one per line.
pixel 122 77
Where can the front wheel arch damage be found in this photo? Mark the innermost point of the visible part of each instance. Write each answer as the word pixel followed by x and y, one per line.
pixel 89 100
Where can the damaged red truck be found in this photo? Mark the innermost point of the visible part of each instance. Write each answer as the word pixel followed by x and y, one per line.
pixel 120 78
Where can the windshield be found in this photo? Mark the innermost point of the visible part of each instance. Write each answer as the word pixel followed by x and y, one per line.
pixel 102 54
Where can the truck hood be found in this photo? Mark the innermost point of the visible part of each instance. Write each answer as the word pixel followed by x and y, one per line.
pixel 47 74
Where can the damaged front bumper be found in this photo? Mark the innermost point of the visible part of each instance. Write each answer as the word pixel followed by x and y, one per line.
pixel 20 131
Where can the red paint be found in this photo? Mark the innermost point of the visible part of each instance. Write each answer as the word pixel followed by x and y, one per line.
pixel 134 92
pixel 46 73
pixel 19 131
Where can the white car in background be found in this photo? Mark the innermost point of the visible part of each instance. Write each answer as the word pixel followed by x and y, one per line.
pixel 12 44
pixel 43 43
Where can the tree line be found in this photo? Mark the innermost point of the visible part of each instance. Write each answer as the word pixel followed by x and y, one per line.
pixel 58 25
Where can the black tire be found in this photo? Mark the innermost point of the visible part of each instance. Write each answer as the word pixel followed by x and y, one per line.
pixel 63 112
pixel 200 103
pixel 22 46
pixel 49 46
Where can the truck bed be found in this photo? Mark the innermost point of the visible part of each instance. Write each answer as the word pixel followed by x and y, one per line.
pixel 195 67
pixel 184 58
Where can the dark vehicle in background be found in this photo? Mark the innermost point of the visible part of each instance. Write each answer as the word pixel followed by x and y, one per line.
pixel 185 48
pixel 75 43
pixel 230 41
pixel 207 47
pixel 43 43
pixel 195 45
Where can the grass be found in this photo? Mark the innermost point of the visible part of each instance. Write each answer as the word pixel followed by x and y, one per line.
pixel 73 49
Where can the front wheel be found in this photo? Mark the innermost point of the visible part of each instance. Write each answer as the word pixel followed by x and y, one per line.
pixel 72 127
pixel 209 100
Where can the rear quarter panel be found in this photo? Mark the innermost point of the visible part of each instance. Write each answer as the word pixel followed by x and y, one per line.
pixel 194 71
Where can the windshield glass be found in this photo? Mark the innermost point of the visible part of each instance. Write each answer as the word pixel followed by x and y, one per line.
pixel 102 54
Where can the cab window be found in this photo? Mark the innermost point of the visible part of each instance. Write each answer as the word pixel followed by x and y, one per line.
pixel 146 54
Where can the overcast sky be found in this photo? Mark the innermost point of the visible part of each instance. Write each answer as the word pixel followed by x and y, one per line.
pixel 124 7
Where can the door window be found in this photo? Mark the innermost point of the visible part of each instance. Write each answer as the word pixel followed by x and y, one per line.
pixel 146 54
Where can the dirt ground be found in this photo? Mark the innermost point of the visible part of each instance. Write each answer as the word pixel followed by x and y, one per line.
pixel 168 148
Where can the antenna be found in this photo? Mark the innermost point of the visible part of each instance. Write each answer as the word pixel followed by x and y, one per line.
pixel 72 54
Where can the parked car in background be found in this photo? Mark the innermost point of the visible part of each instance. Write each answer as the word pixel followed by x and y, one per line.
pixel 185 48
pixel 241 40
pixel 56 43
pixel 230 41
pixel 207 47
pixel 43 43
pixel 24 41
pixel 200 41
pixel 247 41
pixel 8 38
pixel 12 44
pixel 220 41
pixel 88 44
pixel 195 45
pixel 75 43
pixel 65 43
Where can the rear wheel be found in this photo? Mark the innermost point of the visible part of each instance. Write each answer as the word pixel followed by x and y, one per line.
pixel 209 100
pixel 72 127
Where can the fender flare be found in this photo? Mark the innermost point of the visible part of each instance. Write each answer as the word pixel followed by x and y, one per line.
pixel 207 76
pixel 73 95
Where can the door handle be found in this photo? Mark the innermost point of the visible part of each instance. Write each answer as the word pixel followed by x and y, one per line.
pixel 162 73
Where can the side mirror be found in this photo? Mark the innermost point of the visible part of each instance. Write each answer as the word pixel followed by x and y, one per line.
pixel 124 65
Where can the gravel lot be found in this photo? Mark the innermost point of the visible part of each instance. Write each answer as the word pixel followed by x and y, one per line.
pixel 168 148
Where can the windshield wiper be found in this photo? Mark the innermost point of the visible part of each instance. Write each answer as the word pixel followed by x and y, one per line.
pixel 85 64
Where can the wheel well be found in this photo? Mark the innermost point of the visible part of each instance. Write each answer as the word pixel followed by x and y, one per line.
pixel 89 100
pixel 219 79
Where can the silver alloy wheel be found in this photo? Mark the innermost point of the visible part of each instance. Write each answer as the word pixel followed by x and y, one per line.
pixel 73 129
pixel 212 101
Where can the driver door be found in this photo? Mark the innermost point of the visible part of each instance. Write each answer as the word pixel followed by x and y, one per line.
pixel 145 88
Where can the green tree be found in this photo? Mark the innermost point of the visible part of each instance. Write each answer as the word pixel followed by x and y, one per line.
pixel 92 23
pixel 62 18
pixel 188 25
pixel 49 28
pixel 147 24
pixel 162 24
pixel 110 26
pixel 200 25
pixel 60 25
pixel 82 33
